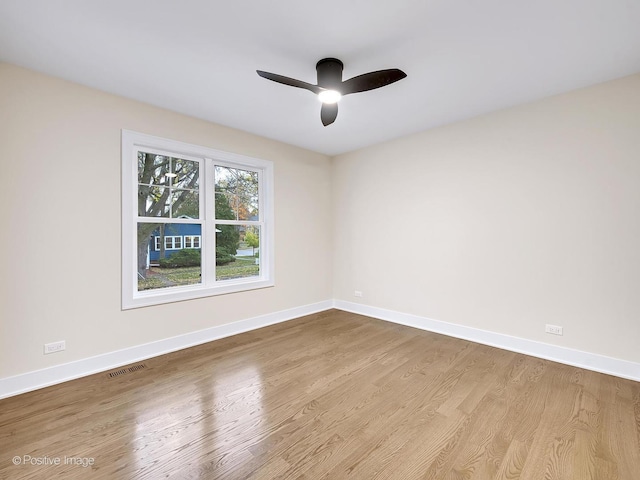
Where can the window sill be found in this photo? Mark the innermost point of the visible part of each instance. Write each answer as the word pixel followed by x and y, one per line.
pixel 190 292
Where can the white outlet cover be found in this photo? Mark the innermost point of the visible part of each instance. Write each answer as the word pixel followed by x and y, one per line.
pixel 54 347
pixel 553 329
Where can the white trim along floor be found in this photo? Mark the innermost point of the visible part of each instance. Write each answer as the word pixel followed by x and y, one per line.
pixel 29 381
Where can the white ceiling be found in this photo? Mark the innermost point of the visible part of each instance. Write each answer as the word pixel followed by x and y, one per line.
pixel 199 57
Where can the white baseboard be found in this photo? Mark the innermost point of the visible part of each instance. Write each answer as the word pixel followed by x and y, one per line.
pixel 35 380
pixel 568 356
pixel 88 366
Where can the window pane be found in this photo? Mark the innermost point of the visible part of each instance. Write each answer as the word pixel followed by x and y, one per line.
pixel 186 173
pixel 153 201
pixel 167 202
pixel 237 251
pixel 151 168
pixel 236 194
pixel 167 186
pixel 162 262
pixel 185 203
pixel 164 170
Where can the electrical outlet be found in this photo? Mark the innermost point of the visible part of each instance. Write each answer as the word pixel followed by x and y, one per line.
pixel 54 347
pixel 553 329
pixel 357 293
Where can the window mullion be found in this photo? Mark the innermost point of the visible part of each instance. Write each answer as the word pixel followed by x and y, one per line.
pixel 239 222
pixel 208 240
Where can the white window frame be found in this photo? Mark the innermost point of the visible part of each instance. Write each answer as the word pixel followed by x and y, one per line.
pixel 194 239
pixel 171 239
pixel 132 142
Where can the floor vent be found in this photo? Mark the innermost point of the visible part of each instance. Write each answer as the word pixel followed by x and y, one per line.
pixel 124 371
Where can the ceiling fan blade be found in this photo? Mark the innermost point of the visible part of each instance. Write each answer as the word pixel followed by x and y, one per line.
pixel 371 80
pixel 328 113
pixel 289 81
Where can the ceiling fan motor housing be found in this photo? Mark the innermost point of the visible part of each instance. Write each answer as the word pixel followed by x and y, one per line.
pixel 330 73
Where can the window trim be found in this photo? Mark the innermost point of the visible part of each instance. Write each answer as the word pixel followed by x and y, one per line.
pixel 131 297
pixel 172 241
pixel 194 239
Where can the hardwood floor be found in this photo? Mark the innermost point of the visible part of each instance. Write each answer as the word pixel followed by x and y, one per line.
pixel 330 396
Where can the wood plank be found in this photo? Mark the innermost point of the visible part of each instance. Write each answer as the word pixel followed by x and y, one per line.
pixel 331 396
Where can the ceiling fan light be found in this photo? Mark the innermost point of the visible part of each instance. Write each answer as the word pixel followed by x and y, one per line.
pixel 329 96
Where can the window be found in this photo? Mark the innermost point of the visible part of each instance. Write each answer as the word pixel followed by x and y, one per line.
pixel 170 243
pixel 192 241
pixel 195 221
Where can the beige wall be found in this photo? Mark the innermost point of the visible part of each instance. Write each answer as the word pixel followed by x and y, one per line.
pixel 505 222
pixel 60 156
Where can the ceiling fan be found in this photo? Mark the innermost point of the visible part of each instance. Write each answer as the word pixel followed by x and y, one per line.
pixel 331 88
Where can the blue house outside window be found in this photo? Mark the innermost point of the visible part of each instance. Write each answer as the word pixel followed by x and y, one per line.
pixel 176 237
